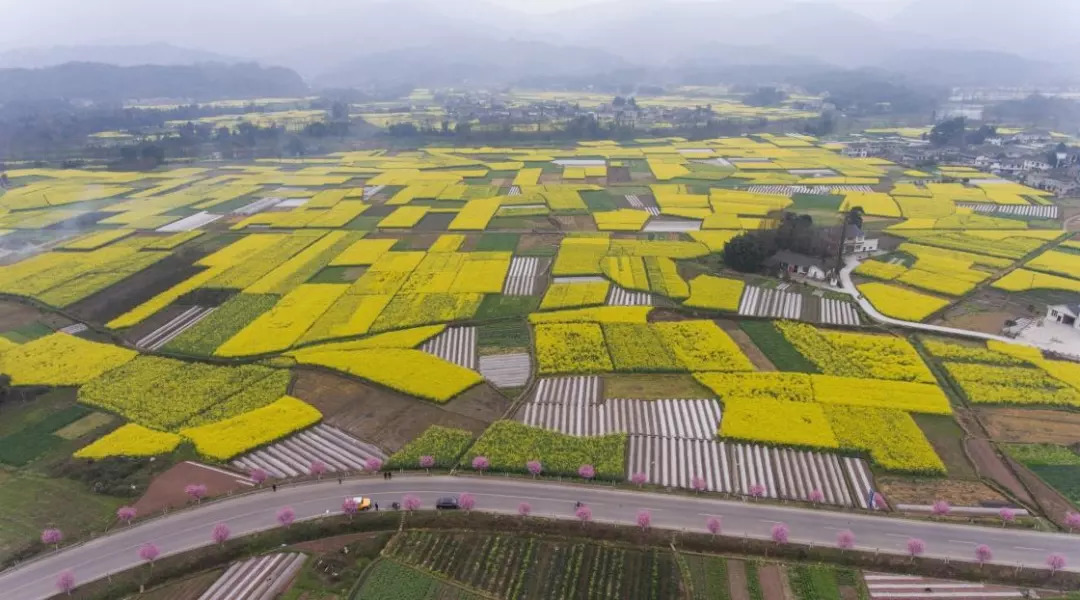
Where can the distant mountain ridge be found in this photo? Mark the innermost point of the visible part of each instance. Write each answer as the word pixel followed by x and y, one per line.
pixel 118 55
pixel 109 83
pixel 998 42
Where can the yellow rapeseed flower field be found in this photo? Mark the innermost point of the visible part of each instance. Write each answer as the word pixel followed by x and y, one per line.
pixel 901 303
pixel 772 421
pixel 60 359
pixel 131 440
pixel 225 439
pixel 719 293
pixel 892 438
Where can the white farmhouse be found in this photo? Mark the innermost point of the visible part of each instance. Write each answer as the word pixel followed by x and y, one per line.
pixel 1066 314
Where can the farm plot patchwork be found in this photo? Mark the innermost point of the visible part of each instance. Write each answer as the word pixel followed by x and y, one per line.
pixel 673 442
pixel 333 272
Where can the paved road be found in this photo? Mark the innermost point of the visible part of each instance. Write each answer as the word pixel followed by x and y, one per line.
pixel 186 530
pixel 847 286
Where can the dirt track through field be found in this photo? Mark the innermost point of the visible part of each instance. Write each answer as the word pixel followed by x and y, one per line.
pixel 990 465
pixel 736 570
pixel 772 582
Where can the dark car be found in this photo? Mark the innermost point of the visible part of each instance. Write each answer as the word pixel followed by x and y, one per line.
pixel 446 503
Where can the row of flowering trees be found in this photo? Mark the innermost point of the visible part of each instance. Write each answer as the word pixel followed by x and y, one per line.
pixel 779 533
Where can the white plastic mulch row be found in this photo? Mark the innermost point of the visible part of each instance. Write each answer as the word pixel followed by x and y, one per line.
pixel 738 467
pixel 913 587
pixel 567 389
pixel 191 223
pixel 619 296
pixel 671 225
pixel 74 329
pixel 1023 210
pixel 169 331
pixel 790 190
pixel 454 344
pixel 636 202
pixel 259 578
pixel 521 278
pixel 292 457
pixel 686 419
pixel 514 191
pixel 762 302
pixel 506 370
pixel 257 206
pixel 838 312
pixel 371 190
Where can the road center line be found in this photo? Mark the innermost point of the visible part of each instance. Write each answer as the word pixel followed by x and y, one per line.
pixel 962 542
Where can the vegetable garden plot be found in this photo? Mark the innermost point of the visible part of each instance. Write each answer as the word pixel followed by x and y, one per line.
pixel 762 302
pixel 737 468
pixel 293 456
pixel 527 568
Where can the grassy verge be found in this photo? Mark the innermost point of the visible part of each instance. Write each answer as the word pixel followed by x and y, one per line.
pixel 776 347
pixel 654 387
pixel 947 438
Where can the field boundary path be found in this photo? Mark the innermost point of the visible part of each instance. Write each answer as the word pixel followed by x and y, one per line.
pixel 190 529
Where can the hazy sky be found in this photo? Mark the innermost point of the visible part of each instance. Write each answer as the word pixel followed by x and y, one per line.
pixel 871 8
pixel 35 23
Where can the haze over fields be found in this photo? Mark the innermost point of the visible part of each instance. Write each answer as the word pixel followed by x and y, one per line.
pixel 329 42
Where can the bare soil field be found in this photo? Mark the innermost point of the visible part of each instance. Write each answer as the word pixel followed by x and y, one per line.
pixel 17 315
pixel 539 241
pixel 117 299
pixel 987 309
pixel 482 402
pixel 991 465
pixel 911 490
pixel 1031 425
pixel 618 175
pixel 986 322
pixel 167 489
pixel 736 572
pixel 773 582
pixel 575 222
pixel 386 418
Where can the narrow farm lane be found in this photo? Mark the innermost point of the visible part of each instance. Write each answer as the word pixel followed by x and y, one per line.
pixel 848 287
pixel 190 529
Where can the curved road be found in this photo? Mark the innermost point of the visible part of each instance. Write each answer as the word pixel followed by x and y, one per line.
pixel 190 529
pixel 848 287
